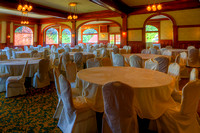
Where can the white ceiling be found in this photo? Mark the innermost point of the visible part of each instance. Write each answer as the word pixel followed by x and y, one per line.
pixel 142 2
pixel 159 17
pixel 83 6
pixel 18 13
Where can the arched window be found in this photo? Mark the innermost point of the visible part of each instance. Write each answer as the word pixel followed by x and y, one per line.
pixel 51 36
pixel 90 36
pixel 152 34
pixel 66 36
pixel 23 36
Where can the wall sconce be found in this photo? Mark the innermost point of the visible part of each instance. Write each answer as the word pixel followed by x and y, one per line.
pixel 8 36
pixel 73 35
pixel 60 36
pixel 124 33
pixel 103 35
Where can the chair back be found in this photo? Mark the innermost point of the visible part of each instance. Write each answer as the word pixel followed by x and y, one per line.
pixel 67 49
pixel 194 74
pixel 93 62
pixel 103 52
pixel 78 59
pixel 190 98
pixel 118 60
pixel 153 51
pixel 145 51
pixel 95 53
pixel 151 64
pixel 193 56
pixel 190 47
pixel 135 61
pixel 119 110
pixel 43 69
pixel 162 50
pixel 56 74
pixel 46 54
pixel 174 70
pixel 168 47
pixel 122 51
pixel 105 61
pixel 116 50
pixel 9 53
pixel 26 48
pixel 71 71
pixel 24 71
pixel 167 52
pixel 66 96
pixel 129 50
pixel 65 58
pixel 33 52
pixel 163 63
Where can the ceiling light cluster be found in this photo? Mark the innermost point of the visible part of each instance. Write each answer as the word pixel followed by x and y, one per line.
pixel 154 7
pixel 73 10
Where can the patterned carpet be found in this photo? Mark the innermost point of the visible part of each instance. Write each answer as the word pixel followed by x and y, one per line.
pixel 30 113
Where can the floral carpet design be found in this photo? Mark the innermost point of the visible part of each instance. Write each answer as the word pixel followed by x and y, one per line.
pixel 31 113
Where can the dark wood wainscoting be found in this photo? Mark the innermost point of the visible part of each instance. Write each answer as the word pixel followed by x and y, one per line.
pixel 136 46
pixel 165 43
pixel 185 44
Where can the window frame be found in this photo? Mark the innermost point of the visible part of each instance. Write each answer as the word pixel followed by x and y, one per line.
pixel 46 35
pixel 62 29
pixel 157 25
pixel 115 38
pixel 14 29
pixel 90 34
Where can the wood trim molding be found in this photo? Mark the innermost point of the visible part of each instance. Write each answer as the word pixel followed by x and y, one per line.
pixel 135 28
pixel 187 26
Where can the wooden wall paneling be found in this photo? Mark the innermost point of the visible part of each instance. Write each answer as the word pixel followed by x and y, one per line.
pixel 185 44
pixel 40 36
pixel 136 46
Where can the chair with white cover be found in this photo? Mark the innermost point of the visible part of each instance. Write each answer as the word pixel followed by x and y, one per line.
pixel 129 50
pixel 162 50
pixel 163 63
pixel 41 77
pixel 135 61
pixel 190 47
pixel 3 78
pixel 33 52
pixel 122 51
pixel 118 60
pixel 59 107
pixel 167 52
pixel 193 58
pixel 174 71
pixel 194 74
pixel 105 61
pixel 78 59
pixel 103 52
pixel 9 53
pixel 93 62
pixel 116 50
pixel 119 112
pixel 95 53
pixel 151 64
pixel 67 49
pixel 65 59
pixel 26 48
pixel 183 118
pixel 145 51
pixel 15 84
pixel 76 116
pixel 3 57
pixel 168 47
pixel 153 51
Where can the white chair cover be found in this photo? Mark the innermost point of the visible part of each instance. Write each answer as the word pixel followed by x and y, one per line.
pixel 3 78
pixel 183 118
pixel 194 74
pixel 162 50
pixel 3 57
pixel 118 60
pixel 174 71
pixel 15 84
pixel 119 113
pixel 53 49
pixel 105 61
pixel 65 59
pixel 116 50
pixel 57 85
pixel 103 52
pixel 167 52
pixel 93 62
pixel 78 59
pixel 95 53
pixel 145 51
pixel 135 61
pixel 168 47
pixel 67 49
pixel 76 116
pixel 151 64
pixel 193 58
pixel 163 63
pixel 33 52
pixel 153 51
pixel 26 48
pixel 41 77
pixel 129 50
pixel 9 53
pixel 71 71
pixel 190 47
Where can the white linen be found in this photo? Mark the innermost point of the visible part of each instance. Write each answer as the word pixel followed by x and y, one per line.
pixel 163 63
pixel 93 62
pixel 194 74
pixel 155 88
pixel 3 78
pixel 118 60
pixel 75 117
pixel 119 110
pixel 151 64
pixel 135 61
pixel 15 66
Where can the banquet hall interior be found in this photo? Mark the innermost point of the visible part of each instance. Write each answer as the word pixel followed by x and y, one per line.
pixel 92 66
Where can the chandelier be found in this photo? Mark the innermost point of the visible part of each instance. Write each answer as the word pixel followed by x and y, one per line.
pixel 24 7
pixel 73 10
pixel 154 7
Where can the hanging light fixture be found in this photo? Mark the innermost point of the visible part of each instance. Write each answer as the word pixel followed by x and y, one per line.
pixel 24 6
pixel 154 7
pixel 73 10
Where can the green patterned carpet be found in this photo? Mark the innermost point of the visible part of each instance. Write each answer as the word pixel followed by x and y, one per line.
pixel 32 112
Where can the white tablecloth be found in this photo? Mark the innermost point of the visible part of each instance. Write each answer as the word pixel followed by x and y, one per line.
pixel 18 53
pixel 15 66
pixel 152 88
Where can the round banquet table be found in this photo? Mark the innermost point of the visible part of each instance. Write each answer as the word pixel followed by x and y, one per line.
pixel 152 89
pixel 15 66
pixel 19 54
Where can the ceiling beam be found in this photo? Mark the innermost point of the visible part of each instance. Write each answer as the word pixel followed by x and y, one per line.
pixel 114 5
pixel 39 9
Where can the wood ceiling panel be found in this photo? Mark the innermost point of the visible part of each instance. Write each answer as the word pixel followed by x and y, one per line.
pixel 143 2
